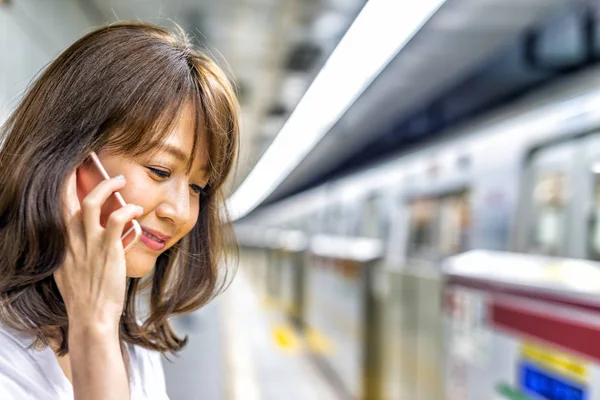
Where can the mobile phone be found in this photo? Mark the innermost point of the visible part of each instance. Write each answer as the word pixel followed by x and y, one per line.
pixel 89 177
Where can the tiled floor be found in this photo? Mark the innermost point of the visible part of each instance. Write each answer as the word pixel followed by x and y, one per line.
pixel 240 350
pixel 199 370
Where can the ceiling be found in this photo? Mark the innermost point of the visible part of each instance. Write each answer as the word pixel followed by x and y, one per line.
pixel 463 38
pixel 272 48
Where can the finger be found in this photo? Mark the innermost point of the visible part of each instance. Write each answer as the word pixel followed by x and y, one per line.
pixel 118 219
pixel 91 205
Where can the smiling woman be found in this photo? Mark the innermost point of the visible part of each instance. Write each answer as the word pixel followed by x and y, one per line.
pixel 163 119
pixel 167 181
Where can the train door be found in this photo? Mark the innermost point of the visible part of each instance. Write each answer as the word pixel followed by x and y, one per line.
pixel 439 226
pixel 550 177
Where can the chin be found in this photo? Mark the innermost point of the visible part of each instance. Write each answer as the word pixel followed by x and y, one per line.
pixel 139 263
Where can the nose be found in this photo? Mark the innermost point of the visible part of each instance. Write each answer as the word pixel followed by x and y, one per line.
pixel 175 204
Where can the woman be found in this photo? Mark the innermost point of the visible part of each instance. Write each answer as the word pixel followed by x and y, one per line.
pixel 163 120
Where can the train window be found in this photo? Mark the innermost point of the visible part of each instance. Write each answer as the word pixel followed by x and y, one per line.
pixel 454 223
pixel 316 222
pixel 333 220
pixel 439 226
pixel 549 198
pixel 341 220
pixel 345 222
pixel 371 221
pixel 337 217
pixel 594 226
pixel 422 225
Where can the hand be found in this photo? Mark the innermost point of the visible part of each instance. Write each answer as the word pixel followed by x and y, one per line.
pixel 92 280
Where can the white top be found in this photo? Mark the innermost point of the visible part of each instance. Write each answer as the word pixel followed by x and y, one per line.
pixel 26 373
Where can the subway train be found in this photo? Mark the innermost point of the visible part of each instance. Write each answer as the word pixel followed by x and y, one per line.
pixel 524 179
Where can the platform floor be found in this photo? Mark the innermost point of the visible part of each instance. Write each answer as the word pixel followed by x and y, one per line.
pixel 240 349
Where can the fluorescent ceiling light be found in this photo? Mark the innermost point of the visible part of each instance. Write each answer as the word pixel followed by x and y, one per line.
pixel 379 32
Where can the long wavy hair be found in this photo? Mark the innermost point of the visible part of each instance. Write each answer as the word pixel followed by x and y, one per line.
pixel 121 88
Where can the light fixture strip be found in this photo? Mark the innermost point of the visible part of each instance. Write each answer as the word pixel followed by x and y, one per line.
pixel 378 33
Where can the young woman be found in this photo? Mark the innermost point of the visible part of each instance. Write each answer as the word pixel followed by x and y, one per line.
pixel 163 120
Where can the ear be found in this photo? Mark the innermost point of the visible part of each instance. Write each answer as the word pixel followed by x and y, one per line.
pixel 87 178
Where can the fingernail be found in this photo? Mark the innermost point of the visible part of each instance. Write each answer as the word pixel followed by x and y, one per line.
pixel 120 177
pixel 141 209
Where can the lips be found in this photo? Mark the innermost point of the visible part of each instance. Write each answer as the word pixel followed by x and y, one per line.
pixel 153 239
pixel 151 236
pixel 155 235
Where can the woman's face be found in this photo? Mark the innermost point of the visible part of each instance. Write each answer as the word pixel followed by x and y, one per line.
pixel 170 196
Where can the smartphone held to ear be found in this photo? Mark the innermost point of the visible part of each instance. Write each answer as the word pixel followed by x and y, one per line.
pixel 90 175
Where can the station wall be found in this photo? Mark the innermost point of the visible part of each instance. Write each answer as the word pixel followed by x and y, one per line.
pixel 33 33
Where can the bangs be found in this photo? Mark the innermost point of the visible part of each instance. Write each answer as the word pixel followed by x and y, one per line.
pixel 151 119
pixel 142 126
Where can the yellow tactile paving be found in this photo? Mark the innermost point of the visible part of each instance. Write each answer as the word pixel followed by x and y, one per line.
pixel 286 338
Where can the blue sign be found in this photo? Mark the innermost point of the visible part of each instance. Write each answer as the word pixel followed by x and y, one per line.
pixel 538 382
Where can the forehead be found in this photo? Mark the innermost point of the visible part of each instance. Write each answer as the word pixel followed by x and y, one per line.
pixel 188 127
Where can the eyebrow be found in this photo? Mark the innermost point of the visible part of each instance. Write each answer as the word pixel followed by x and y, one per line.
pixel 180 155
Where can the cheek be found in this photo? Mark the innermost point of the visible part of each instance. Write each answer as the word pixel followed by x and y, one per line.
pixel 139 190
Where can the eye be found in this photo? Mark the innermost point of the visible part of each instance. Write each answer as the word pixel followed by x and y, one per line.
pixel 162 174
pixel 198 190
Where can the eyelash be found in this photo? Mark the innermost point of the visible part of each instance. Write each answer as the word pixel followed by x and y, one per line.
pixel 166 174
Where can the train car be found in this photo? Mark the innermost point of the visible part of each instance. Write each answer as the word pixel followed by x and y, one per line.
pixel 523 179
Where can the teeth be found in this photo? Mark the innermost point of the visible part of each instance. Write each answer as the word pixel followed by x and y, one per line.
pixel 152 237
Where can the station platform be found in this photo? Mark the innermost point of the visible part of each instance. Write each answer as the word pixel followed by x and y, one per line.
pixel 240 347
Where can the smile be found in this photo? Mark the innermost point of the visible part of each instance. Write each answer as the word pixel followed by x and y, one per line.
pixel 152 241
pixel 151 236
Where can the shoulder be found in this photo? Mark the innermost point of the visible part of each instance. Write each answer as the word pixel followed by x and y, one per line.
pixel 20 374
pixel 148 370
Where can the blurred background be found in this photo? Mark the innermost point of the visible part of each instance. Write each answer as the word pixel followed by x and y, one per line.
pixel 417 200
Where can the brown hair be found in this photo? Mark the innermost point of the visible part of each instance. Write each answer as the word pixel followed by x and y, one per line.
pixel 119 87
